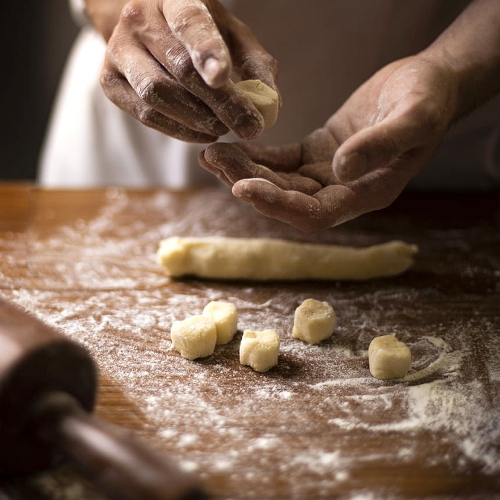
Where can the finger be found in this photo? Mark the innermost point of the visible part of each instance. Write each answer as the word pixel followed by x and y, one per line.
pixel 124 96
pixel 376 147
pixel 230 105
pixel 330 206
pixel 307 213
pixel 156 88
pixel 320 172
pixel 251 60
pixel 286 158
pixel 213 169
pixel 236 165
pixel 297 182
pixel 194 27
pixel 320 145
pixel 230 165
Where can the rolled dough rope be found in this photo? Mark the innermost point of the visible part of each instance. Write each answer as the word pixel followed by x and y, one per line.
pixel 263 97
pixel 262 259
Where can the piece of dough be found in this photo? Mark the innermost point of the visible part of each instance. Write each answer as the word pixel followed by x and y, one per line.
pixel 388 358
pixel 263 97
pixel 259 350
pixel 225 316
pixel 194 337
pixel 314 321
pixel 275 259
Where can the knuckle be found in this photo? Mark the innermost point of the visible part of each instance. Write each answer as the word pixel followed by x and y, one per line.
pixel 270 63
pixel 259 63
pixel 148 90
pixel 108 79
pixel 146 115
pixel 184 70
pixel 428 116
pixel 133 13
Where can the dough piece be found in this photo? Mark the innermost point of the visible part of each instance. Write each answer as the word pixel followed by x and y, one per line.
pixel 314 321
pixel 225 317
pixel 260 350
pixel 388 358
pixel 221 257
pixel 263 97
pixel 194 337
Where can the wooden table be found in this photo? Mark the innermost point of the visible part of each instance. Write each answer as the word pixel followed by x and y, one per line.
pixel 318 425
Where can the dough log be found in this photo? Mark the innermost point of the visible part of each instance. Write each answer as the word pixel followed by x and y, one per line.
pixel 264 259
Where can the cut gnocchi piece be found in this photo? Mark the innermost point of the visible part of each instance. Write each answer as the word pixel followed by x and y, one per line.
pixel 388 358
pixel 314 321
pixel 259 350
pixel 225 316
pixel 194 337
pixel 264 98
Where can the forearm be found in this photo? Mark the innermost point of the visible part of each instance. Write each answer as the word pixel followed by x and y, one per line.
pixel 105 14
pixel 470 47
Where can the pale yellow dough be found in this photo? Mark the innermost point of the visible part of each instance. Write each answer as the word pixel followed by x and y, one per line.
pixel 227 258
pixel 388 358
pixel 259 350
pixel 263 97
pixel 225 316
pixel 194 337
pixel 314 321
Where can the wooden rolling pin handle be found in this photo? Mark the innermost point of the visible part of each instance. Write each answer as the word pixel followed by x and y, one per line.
pixel 123 467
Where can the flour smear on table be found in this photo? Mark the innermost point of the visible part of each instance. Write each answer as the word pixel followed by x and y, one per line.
pixel 217 416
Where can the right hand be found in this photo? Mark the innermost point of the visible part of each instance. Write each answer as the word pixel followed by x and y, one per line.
pixel 359 161
pixel 168 64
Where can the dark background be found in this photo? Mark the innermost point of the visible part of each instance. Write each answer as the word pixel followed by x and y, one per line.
pixel 36 36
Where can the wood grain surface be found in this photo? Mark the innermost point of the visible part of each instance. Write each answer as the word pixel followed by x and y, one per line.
pixel 316 426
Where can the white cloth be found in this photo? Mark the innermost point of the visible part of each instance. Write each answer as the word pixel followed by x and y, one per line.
pixel 325 48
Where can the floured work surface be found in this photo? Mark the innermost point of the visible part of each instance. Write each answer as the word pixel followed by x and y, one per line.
pixel 316 426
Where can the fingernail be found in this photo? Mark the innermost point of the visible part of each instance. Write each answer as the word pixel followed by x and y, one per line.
pixel 214 72
pixel 350 167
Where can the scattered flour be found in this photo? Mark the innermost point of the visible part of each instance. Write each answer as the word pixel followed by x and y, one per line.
pixel 315 420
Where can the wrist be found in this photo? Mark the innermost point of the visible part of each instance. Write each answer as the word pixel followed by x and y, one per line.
pixel 454 80
pixel 470 49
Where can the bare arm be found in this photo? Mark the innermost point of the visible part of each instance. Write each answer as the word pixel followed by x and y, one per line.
pixel 471 48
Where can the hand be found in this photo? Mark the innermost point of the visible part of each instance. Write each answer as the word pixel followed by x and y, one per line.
pixel 358 162
pixel 169 62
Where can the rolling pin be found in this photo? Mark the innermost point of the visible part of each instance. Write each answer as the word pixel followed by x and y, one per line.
pixel 48 385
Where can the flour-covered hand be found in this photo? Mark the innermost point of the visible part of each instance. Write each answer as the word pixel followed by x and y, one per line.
pixel 358 162
pixel 168 64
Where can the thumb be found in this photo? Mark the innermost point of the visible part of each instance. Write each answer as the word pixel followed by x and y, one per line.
pixel 374 147
pixel 194 26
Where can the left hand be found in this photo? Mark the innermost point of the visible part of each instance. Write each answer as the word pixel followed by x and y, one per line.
pixel 359 161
